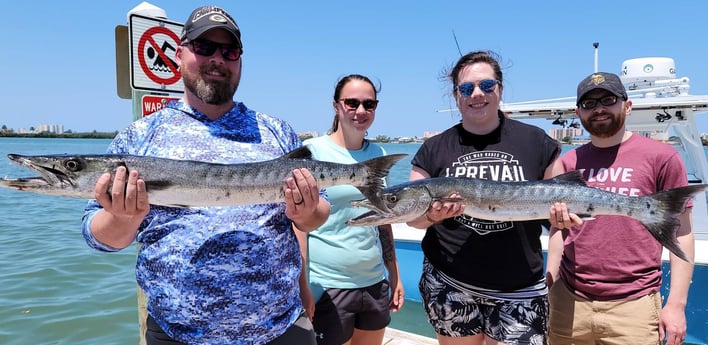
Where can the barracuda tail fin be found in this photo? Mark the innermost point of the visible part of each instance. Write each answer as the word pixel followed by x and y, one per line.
pixel 378 170
pixel 672 203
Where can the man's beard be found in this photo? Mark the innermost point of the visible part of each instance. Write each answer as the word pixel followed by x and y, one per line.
pixel 605 130
pixel 210 92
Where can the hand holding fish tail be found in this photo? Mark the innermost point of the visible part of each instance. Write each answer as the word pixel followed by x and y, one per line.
pixel 125 204
pixel 303 204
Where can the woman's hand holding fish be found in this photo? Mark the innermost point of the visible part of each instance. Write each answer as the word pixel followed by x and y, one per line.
pixel 439 211
pixel 303 204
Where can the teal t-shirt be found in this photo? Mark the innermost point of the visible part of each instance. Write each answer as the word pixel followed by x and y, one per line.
pixel 341 256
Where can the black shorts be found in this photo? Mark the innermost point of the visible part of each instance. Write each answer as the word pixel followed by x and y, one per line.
pixel 300 333
pixel 339 311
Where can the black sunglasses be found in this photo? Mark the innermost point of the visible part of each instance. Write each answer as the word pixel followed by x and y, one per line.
pixel 590 103
pixel 353 103
pixel 230 52
pixel 486 85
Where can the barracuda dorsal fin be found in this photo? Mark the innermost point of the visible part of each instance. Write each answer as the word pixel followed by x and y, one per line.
pixel 302 152
pixel 573 177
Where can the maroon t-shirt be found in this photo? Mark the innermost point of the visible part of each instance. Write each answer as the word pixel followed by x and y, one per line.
pixel 615 257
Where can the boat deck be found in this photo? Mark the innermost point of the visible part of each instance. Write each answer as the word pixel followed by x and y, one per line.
pixel 396 337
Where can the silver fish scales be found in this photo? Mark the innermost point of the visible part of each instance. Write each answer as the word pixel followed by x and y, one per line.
pixel 516 201
pixel 184 183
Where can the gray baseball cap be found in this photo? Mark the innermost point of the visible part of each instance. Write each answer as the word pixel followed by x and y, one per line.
pixel 209 17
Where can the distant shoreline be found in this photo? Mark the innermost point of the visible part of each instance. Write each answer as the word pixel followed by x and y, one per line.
pixel 85 135
pixel 111 135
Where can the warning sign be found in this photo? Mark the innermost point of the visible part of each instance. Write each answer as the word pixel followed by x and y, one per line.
pixel 151 104
pixel 153 44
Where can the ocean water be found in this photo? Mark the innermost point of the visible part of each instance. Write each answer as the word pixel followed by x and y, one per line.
pixel 56 290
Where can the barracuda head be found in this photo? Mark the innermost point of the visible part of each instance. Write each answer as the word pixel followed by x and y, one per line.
pixel 406 202
pixel 62 175
pixel 55 170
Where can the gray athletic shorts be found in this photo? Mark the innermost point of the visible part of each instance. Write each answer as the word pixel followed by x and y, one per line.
pixel 339 311
pixel 456 313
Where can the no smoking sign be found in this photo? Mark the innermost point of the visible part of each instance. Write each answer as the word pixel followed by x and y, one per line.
pixel 153 46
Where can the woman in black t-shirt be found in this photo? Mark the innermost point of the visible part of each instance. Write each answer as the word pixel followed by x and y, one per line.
pixel 483 279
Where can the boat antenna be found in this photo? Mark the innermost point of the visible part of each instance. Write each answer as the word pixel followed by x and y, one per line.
pixel 457 44
pixel 596 44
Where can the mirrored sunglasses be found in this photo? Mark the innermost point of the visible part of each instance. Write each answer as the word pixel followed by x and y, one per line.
pixel 230 52
pixel 591 103
pixel 353 103
pixel 486 85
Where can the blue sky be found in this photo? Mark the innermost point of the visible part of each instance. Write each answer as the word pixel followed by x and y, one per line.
pixel 58 63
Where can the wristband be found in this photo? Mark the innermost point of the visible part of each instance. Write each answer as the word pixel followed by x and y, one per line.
pixel 428 218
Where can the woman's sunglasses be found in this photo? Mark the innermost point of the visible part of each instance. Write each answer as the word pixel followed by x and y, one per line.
pixel 353 103
pixel 486 85
pixel 590 103
pixel 201 47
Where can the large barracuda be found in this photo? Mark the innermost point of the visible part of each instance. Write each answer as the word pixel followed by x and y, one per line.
pixel 183 183
pixel 516 201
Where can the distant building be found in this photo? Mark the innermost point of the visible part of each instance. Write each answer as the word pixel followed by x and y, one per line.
pixel 307 135
pixel 42 128
pixel 560 133
pixel 56 129
pixel 656 135
pixel 430 134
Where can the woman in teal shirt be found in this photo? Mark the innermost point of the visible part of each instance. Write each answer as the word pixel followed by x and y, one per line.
pixel 346 266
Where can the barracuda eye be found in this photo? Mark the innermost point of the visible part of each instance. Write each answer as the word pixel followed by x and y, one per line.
pixel 73 164
pixel 390 198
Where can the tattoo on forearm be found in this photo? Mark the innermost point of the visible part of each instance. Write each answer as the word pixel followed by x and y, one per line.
pixel 387 246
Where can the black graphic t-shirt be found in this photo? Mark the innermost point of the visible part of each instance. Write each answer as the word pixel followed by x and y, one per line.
pixel 489 254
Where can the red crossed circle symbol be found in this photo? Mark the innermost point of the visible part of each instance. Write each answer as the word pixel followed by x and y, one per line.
pixel 148 37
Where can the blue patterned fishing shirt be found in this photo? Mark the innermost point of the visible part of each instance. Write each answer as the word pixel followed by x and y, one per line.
pixel 214 275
